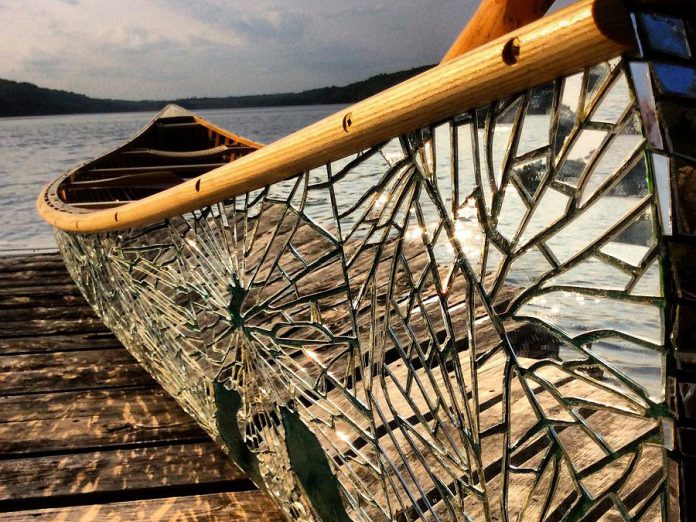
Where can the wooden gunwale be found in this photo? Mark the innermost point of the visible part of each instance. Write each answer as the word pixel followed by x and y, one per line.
pixel 586 33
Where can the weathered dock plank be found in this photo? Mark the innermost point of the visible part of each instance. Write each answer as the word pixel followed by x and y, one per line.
pixel 58 343
pixel 58 422
pixel 28 279
pixel 85 433
pixel 113 471
pixel 45 373
pixel 36 327
pixel 40 291
pixel 42 262
pixel 44 312
pixel 18 302
pixel 237 506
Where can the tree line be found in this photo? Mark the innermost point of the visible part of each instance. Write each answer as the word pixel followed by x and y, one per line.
pixel 26 99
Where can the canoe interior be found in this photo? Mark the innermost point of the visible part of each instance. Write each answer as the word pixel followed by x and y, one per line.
pixel 174 147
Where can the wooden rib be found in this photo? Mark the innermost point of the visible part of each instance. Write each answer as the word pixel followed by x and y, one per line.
pixel 179 124
pixel 87 187
pixel 493 19
pixel 155 168
pixel 584 34
pixel 236 139
pixel 146 179
pixel 99 204
pixel 221 149
pixel 178 153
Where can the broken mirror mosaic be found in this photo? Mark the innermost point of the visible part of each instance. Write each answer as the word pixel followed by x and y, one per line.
pixel 464 323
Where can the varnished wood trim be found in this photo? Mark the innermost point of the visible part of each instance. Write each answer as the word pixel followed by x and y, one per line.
pixel 222 132
pixel 493 19
pixel 581 35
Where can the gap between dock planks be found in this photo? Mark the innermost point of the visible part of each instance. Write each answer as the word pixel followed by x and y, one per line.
pixel 85 433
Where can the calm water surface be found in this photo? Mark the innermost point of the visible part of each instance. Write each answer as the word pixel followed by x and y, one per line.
pixel 34 151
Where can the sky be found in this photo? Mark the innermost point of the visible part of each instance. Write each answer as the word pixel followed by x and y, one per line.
pixel 155 49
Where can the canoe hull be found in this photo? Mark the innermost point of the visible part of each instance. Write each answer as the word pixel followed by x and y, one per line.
pixel 469 321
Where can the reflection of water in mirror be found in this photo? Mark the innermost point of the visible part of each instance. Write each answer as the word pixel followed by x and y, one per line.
pixel 36 149
pixel 578 312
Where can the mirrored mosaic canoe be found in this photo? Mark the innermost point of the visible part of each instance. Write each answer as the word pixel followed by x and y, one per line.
pixel 482 315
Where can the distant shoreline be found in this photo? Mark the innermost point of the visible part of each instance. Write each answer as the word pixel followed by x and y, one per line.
pixel 19 99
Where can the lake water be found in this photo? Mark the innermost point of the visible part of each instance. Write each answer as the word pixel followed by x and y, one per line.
pixel 34 151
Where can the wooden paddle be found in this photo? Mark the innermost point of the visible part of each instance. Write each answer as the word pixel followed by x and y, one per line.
pixel 494 18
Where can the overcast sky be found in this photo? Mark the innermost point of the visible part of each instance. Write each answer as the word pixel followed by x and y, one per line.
pixel 177 48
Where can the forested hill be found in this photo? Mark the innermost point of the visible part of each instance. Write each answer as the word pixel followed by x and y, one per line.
pixel 26 99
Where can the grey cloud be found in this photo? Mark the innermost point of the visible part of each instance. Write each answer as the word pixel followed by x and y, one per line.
pixel 239 47
pixel 254 24
pixel 46 66
pixel 289 27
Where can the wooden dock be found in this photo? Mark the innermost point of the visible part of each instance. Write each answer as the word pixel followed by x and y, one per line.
pixel 85 433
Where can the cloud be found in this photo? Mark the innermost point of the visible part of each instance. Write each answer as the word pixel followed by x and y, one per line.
pixel 177 48
pixel 279 26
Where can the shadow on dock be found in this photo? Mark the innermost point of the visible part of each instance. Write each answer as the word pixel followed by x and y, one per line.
pixel 85 433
